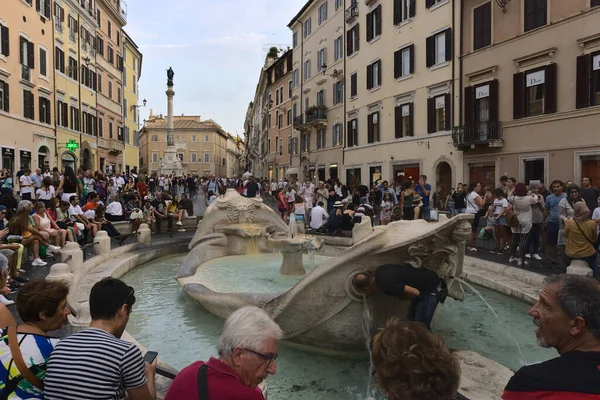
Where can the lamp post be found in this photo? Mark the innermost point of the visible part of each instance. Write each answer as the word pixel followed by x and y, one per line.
pixel 136 137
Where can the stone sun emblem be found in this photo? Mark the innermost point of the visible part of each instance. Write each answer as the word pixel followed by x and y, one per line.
pixel 240 209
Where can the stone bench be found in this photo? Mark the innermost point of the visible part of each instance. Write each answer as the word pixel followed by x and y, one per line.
pixel 579 267
pixel 189 223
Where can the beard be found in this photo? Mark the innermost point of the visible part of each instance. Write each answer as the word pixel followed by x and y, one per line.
pixel 542 343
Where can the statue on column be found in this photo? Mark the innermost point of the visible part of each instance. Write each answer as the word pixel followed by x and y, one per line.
pixel 170 75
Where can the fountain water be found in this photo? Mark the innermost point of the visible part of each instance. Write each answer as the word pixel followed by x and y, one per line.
pixel 366 325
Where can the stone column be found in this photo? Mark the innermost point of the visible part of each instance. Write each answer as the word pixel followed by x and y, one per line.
pixel 145 235
pixel 75 253
pixel 103 240
pixel 580 267
pixel 170 94
pixel 60 272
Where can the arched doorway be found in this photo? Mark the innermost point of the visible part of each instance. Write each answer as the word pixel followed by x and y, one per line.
pixel 443 176
pixel 43 158
pixel 68 159
pixel 86 160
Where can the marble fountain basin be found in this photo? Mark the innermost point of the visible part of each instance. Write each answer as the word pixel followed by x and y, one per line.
pixel 229 266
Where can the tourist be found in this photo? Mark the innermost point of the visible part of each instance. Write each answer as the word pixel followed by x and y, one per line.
pixel 68 185
pixel 44 223
pixel 177 212
pixel 421 285
pixel 130 188
pixel 26 184
pixel 409 362
pixel 386 209
pixel 552 219
pixel 89 208
pixel 424 190
pixel 187 204
pixel 142 188
pixel 247 352
pixel 384 188
pixel 210 198
pixel 510 186
pixel 273 189
pixel 334 222
pixel 409 210
pixel 252 188
pixel 566 211
pixel 81 220
pixel 589 193
pixel 282 205
pixel 567 318
pixel 521 207
pixel 42 306
pixel 291 198
pixel 307 191
pixel 118 180
pixel 459 197
pixel 89 183
pixel 499 221
pixel 160 213
pixel 6 182
pixel 105 225
pixel 582 234
pixel 474 207
pixel 46 192
pixel 300 210
pixel 133 212
pixel 537 218
pixel 101 187
pixel 148 211
pixel 36 179
pixel 95 363
pixel 322 193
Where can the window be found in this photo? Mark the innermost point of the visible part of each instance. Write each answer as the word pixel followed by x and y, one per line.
pixel 134 84
pixel 336 134
pixel 534 170
pixel 99 82
pixel 534 92
pixel 4 41
pixel 206 138
pixel 404 61
pixel 154 138
pixel 194 157
pixel 295 39
pixel 338 92
pixel 438 113
pixel 352 133
pixel 482 26
pixel 280 121
pixel 373 127
pixel 206 157
pixel 403 116
pixel 43 7
pixel 193 136
pixel 289 89
pixel 73 28
pixel 374 24
pixel 110 89
pixel 321 58
pixel 110 128
pixel 338 4
pixel 352 40
pixel 321 138
pixel 74 118
pixel 100 127
pixel 535 14
pixel 45 111
pixel 59 17
pixel 354 84
pixel 588 80
pixel 180 156
pixel 269 121
pixel 43 62
pixel 306 70
pixel 26 58
pixel 289 117
pixel 4 106
pixel 338 48
pixel 100 46
pixel 28 105
pixel 98 17
pixel 304 142
pixel 481 110
pixel 124 108
pixel 119 63
pixel 296 78
pixel 374 75
pixel 403 10
pixel 321 98
pixel 307 28
pixel 595 3
pixel 72 70
pixel 431 3
pixel 109 28
pixel 118 38
pixel 439 48
pixel 154 157
pixel 111 55
pixel 62 114
pixel 323 13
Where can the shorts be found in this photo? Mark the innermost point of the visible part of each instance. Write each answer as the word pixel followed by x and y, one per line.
pixel 475 222
pixel 299 217
pixel 552 229
pixel 502 221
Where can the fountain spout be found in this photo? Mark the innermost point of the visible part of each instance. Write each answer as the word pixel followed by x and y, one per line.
pixel 292 250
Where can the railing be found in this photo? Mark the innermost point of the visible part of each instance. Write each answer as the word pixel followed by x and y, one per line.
pixel 298 121
pixel 316 115
pixel 58 25
pixel 482 133
pixel 351 12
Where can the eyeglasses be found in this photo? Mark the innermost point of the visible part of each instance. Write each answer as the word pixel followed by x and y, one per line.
pixel 128 296
pixel 270 359
pixel 574 191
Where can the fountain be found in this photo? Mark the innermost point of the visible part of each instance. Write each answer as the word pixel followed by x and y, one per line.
pixel 292 249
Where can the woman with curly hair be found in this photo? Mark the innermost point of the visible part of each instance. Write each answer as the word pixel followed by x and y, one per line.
pixel 411 363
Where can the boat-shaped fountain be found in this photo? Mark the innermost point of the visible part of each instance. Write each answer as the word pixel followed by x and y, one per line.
pixel 243 254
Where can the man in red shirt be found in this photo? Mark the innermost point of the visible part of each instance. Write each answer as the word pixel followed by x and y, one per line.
pixel 568 320
pixel 247 355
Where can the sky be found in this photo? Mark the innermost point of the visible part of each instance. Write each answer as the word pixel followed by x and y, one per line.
pixel 216 49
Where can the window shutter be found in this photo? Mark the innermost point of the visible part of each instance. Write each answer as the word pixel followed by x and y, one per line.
pixel 62 14
pixel 397 11
pixel 350 143
pixel 43 63
pixel 518 95
pixel 356 27
pixel 65 112
pixel 38 5
pixel 378 20
pixel 470 106
pixel 550 101
pixel 431 115
pixel 398 121
pixel 370 129
pixel 448 37
pixel 21 54
pixel 6 97
pixel 494 101
pixel 369 77
pixel 430 51
pixel 429 3
pixel 411 120
pixel 448 113
pixel 412 58
pixel 30 55
pixel 5 45
pixel 412 8
pixel 47 8
pixel 349 42
pixel 31 106
pixel 25 104
pixel 379 76
pixel 369 26
pixel 353 85
pixel 42 113
pixel 582 97
pixel 398 64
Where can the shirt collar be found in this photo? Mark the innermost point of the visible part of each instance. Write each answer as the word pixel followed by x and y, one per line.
pixel 221 368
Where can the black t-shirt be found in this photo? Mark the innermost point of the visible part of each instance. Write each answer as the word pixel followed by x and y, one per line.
pixel 459 199
pixel 251 189
pixel 363 190
pixel 590 196
pixel 574 375
pixel 151 184
pixel 188 206
pixel 190 182
pixel 391 278
pixel 160 206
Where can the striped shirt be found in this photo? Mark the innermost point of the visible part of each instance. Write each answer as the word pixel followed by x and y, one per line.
pixel 93 365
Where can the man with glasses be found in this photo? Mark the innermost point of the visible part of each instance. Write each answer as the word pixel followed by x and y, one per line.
pixel 247 352
pixel 95 363
pixel 552 219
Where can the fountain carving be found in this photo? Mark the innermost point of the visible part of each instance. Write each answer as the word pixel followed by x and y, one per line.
pixel 322 308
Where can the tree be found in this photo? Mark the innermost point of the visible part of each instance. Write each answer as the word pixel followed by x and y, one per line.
pixel 273 52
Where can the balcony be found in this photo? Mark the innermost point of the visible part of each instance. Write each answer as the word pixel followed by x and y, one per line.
pixel 482 134
pixel 352 12
pixel 112 145
pixel 316 116
pixel 298 121
pixel 58 25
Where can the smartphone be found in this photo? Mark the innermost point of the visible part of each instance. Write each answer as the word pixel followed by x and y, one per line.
pixel 150 356
pixel 72 310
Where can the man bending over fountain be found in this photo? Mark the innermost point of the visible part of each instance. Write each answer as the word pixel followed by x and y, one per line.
pixel 247 355
pixel 421 285
pixel 567 318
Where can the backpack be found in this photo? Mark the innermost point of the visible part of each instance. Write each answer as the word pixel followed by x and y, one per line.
pixel 511 216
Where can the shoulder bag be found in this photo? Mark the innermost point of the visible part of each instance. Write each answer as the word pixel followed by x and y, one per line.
pixel 202 383
pixel 15 351
pixel 511 216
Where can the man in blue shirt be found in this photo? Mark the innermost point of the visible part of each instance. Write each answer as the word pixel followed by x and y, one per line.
pixel 551 219
pixel 384 188
pixel 424 190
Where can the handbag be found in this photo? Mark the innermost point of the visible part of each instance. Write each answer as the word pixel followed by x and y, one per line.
pixel 511 216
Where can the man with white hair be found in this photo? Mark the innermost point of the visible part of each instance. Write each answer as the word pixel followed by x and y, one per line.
pixel 247 355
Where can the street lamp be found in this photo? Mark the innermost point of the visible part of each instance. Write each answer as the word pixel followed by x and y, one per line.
pixel 137 107
pixel 338 74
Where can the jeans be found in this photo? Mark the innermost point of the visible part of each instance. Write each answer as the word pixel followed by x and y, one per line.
pixel 112 231
pixel 534 239
pixel 591 260
pixel 159 219
pixel 422 309
pixel 425 213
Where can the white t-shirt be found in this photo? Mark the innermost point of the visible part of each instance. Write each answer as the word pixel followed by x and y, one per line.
pixel 25 180
pixel 273 186
pixel 596 215
pixel 43 194
pixel 76 210
pixel 318 215
pixel 499 204
pixel 291 196
pixel 472 207
pixel 114 208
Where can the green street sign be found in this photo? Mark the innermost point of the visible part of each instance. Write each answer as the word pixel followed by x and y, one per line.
pixel 72 145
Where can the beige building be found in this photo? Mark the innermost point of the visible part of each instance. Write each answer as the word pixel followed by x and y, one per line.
pixel 27 136
pixel 201 145
pixel 318 105
pixel 132 70
pixel 235 156
pixel 275 146
pixel 531 98
pixel 400 60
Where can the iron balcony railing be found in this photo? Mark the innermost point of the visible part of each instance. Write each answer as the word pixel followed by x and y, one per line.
pixel 481 133
pixel 298 121
pixel 352 12
pixel 316 115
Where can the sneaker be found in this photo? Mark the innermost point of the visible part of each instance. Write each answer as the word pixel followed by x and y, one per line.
pixel 472 249
pixel 179 223
pixel 53 249
pixel 513 259
pixel 6 301
pixel 181 230
pixel 537 257
pixel 527 255
pixel 38 262
pixel 521 263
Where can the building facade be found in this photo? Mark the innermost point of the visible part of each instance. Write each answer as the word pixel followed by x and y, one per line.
pixel 27 137
pixel 235 154
pixel 132 70
pixel 202 146
pixel 531 96
pixel 318 103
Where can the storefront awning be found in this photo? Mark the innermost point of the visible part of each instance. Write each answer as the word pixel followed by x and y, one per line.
pixel 292 171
